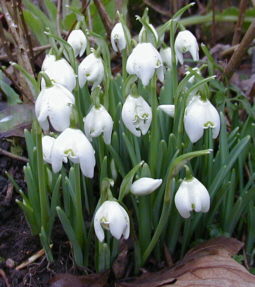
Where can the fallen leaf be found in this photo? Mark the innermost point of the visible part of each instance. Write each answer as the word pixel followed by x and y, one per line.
pixel 91 280
pixel 208 264
pixel 14 119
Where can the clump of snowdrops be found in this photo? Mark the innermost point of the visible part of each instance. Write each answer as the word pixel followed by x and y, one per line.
pixel 142 155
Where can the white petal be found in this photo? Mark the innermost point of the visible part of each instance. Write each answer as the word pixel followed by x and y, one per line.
pixel 118 38
pixel 145 185
pixel 182 200
pixel 97 225
pixel 62 73
pixel 168 109
pixel 47 143
pixel 78 41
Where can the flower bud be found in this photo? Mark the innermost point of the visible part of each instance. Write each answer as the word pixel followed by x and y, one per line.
pixel 145 185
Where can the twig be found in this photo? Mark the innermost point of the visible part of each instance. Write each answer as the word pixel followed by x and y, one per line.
pixel 14 156
pixel 5 278
pixel 58 17
pixel 239 24
pixel 108 24
pixel 213 23
pixel 158 8
pixel 32 259
pixel 75 22
pixel 27 33
pixel 5 43
pixel 18 40
pixel 35 49
pixel 240 51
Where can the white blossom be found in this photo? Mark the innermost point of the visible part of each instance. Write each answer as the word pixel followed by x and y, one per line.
pixel 191 195
pixel 186 42
pixel 72 144
pixel 62 73
pixel 55 103
pixel 136 115
pixel 98 121
pixel 113 217
pixel 144 61
pixel 199 115
pixel 91 69
pixel 47 143
pixel 78 41
pixel 118 39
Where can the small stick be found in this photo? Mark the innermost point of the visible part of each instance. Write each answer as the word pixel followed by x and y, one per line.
pixel 32 259
pixel 104 16
pixel 237 57
pixel 5 278
pixel 239 23
pixel 11 155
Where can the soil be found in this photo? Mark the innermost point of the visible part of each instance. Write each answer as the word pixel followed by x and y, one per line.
pixel 16 242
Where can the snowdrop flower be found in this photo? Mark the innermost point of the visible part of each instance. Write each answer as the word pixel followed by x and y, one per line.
pixel 78 41
pixel 136 115
pixel 72 144
pixel 98 121
pixel 47 143
pixel 145 185
pixel 186 42
pixel 144 61
pixel 113 217
pixel 191 195
pixel 118 39
pixel 91 69
pixel 48 60
pixel 199 115
pixel 55 103
pixel 166 56
pixel 149 36
pixel 168 109
pixel 61 72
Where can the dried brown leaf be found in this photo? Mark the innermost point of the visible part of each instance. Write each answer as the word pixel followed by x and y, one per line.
pixel 91 280
pixel 208 264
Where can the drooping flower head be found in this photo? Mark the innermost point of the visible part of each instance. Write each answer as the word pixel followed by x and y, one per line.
pixel 78 41
pixel 91 69
pixel 199 115
pixel 54 103
pixel 149 36
pixel 191 195
pixel 47 143
pixel 186 42
pixel 118 39
pixel 62 73
pixel 144 61
pixel 72 144
pixel 98 121
pixel 48 60
pixel 136 115
pixel 113 217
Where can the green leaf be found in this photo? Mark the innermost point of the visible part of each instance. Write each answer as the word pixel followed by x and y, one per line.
pixel 71 235
pixel 127 181
pixel 12 96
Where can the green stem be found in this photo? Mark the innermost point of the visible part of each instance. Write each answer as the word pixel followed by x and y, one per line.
pixel 79 230
pixel 154 133
pixel 124 62
pixel 144 221
pixel 44 204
